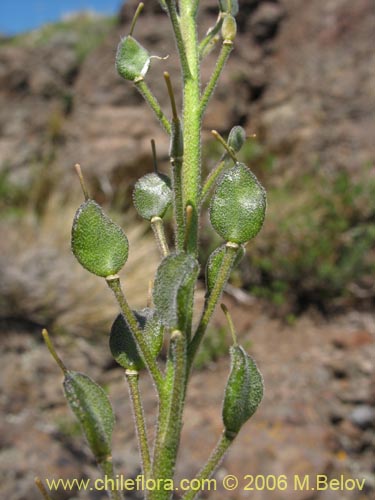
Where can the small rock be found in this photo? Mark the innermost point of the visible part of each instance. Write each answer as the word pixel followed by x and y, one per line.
pixel 363 416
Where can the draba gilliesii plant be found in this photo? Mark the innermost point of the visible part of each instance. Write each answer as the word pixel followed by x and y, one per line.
pixel 237 209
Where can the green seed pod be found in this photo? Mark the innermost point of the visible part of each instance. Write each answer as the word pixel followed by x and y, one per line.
pixel 123 347
pixel 132 60
pixel 238 205
pixel 92 408
pixel 99 244
pixel 237 138
pixel 231 7
pixel 229 28
pixel 122 344
pixel 152 195
pixel 174 288
pixel 214 264
pixel 243 393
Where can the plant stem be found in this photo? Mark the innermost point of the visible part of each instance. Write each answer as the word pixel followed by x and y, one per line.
pixel 191 168
pixel 169 434
pixel 214 174
pixel 158 228
pixel 39 484
pixel 214 460
pixel 212 300
pixel 207 40
pixel 115 285
pixel 132 378
pixel 172 12
pixel 225 51
pixel 106 466
pixel 144 89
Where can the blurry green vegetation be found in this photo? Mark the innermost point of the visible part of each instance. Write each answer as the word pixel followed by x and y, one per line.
pixel 85 31
pixel 318 243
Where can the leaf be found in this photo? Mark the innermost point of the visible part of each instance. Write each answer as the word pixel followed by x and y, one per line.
pixel 244 390
pixel 132 60
pixel 123 345
pixel 238 205
pixel 214 264
pixel 152 195
pixel 92 408
pixel 174 288
pixel 99 244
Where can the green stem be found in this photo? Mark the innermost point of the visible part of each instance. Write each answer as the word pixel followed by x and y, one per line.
pixel 158 228
pixel 169 434
pixel 172 12
pixel 225 51
pixel 176 164
pixel 214 174
pixel 106 466
pixel 191 168
pixel 144 89
pixel 212 32
pixel 115 285
pixel 213 462
pixel 132 378
pixel 212 300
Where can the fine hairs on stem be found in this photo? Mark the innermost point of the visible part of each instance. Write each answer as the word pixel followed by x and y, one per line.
pixel 170 203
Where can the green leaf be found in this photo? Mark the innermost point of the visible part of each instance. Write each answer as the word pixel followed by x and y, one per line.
pixel 152 195
pixel 132 60
pixel 99 244
pixel 214 264
pixel 238 205
pixel 122 344
pixel 244 391
pixel 236 138
pixel 174 288
pixel 92 408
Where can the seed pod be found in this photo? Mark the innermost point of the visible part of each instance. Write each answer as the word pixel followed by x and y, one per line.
pixel 122 344
pixel 238 205
pixel 229 28
pixel 132 60
pixel 152 195
pixel 214 264
pixel 243 393
pixel 237 138
pixel 174 288
pixel 225 6
pixel 99 244
pixel 91 406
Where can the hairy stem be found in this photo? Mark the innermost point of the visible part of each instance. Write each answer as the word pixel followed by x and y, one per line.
pixel 132 378
pixel 214 174
pixel 212 300
pixel 149 97
pixel 115 285
pixel 106 466
pixel 158 228
pixel 212 463
pixel 225 51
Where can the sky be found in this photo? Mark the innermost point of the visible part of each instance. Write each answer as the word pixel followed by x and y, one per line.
pixel 17 16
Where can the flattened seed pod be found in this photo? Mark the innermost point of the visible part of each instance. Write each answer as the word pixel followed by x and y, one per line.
pixel 152 195
pixel 244 391
pixel 92 408
pixel 236 138
pixel 238 205
pixel 132 60
pixel 99 244
pixel 122 344
pixel 214 264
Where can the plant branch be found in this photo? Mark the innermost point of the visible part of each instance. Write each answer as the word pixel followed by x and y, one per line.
pixel 132 378
pixel 172 12
pixel 149 97
pixel 211 33
pixel 212 300
pixel 158 228
pixel 115 285
pixel 225 51
pixel 213 176
pixel 212 463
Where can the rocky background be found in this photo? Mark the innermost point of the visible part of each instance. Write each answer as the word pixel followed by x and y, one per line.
pixel 302 79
